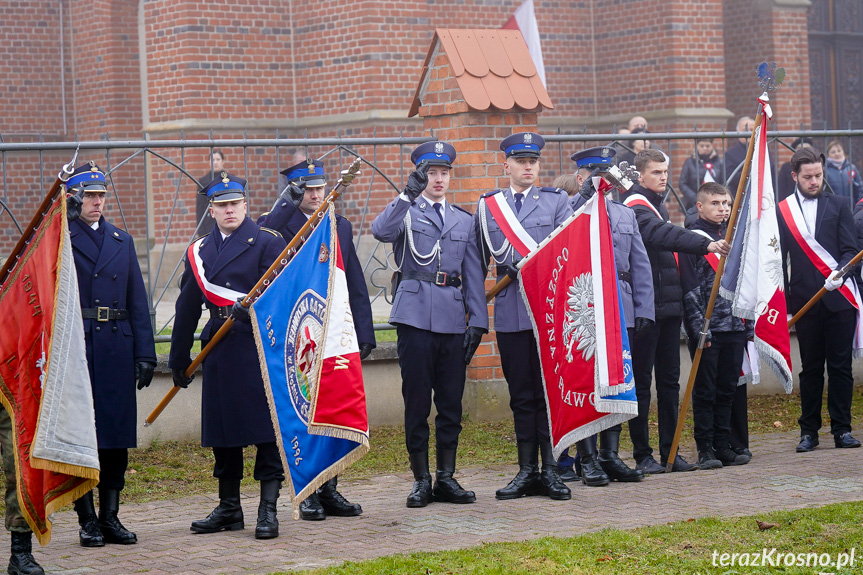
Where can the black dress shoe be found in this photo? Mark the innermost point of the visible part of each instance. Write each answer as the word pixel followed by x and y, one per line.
pixel 311 509
pixel 742 451
pixel 680 464
pixel 649 466
pixel 729 457
pixel 334 503
pixel 567 474
pixel 807 443
pixel 845 440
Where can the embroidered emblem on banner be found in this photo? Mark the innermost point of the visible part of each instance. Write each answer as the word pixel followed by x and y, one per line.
pixel 579 323
pixel 325 254
pixel 303 348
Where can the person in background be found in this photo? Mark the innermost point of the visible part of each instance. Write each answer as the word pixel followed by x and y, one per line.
pixel 842 176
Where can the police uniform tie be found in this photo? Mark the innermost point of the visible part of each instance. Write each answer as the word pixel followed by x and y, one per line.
pixel 518 198
pixel 438 208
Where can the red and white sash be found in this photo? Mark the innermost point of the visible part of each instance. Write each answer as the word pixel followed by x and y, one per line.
pixel 509 224
pixel 712 259
pixel 823 261
pixel 215 294
pixel 639 200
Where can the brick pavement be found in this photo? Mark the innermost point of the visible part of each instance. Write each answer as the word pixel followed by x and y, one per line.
pixel 777 478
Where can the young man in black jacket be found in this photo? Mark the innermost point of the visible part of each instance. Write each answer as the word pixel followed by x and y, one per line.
pixel 725 340
pixel 658 347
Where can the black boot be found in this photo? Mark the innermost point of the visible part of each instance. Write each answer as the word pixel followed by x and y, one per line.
pixel 112 530
pixel 422 491
pixel 311 508
pixel 592 474
pixel 551 483
pixel 446 488
pixel 609 460
pixel 526 481
pixel 228 516
pixel 22 561
pixel 334 502
pixel 90 535
pixel 268 522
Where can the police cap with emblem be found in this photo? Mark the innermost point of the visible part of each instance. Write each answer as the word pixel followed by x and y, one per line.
pixel 88 177
pixel 225 187
pixel 311 172
pixel 527 144
pixel 434 153
pixel 599 157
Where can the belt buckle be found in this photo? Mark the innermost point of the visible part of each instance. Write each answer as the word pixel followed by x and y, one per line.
pixel 102 314
pixel 437 278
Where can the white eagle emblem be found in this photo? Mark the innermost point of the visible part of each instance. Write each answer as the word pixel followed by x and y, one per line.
pixel 528 138
pixel 579 322
pixel 438 148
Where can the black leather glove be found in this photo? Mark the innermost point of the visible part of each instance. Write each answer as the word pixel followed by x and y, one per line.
pixel 144 373
pixel 417 181
pixel 642 323
pixel 240 313
pixel 180 379
pixel 296 193
pixel 587 190
pixel 510 271
pixel 73 207
pixel 472 339
pixel 365 350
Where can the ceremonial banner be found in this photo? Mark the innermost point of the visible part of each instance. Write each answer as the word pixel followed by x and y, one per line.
pixel 524 20
pixel 44 382
pixel 570 287
pixel 753 280
pixel 310 361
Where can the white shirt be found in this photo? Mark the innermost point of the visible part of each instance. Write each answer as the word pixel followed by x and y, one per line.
pixel 95 225
pixel 809 207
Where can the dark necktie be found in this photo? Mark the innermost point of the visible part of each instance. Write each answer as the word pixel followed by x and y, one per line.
pixel 518 199
pixel 437 208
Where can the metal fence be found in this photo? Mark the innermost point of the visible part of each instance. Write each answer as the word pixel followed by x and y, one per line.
pixel 378 264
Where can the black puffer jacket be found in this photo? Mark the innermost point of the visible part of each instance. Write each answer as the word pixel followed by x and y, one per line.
pixel 662 239
pixel 696 277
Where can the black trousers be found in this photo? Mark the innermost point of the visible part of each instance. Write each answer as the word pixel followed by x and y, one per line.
pixel 433 367
pixel 521 368
pixel 826 337
pixel 268 463
pixel 112 468
pixel 740 419
pixel 714 389
pixel 656 349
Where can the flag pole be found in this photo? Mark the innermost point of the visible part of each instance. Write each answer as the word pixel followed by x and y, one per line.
pixel 820 293
pixel 714 291
pixel 268 277
pixel 62 178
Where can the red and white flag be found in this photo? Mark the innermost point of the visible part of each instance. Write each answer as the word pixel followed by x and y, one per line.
pixel 753 280
pixel 524 20
pixel 573 299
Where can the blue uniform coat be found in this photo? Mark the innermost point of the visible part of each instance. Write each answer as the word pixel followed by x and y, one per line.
pixel 111 277
pixel 288 221
pixel 234 410
pixel 543 209
pixel 422 304
pixel 630 256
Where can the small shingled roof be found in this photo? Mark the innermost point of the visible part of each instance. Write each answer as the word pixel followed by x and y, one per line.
pixel 492 68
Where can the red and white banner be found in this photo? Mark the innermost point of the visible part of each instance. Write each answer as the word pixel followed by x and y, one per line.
pixel 524 20
pixel 753 280
pixel 569 285
pixel 44 381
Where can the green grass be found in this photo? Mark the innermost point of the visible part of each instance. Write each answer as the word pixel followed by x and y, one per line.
pixel 385 335
pixel 682 547
pixel 165 348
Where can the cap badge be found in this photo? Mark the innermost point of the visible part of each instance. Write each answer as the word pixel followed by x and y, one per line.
pixel 604 153
pixel 311 167
pixel 438 148
pixel 225 179
pixel 528 138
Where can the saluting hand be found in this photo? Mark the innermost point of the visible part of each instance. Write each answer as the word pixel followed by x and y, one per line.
pixel 296 193
pixel 144 373
pixel 417 181
pixel 73 207
pixel 720 247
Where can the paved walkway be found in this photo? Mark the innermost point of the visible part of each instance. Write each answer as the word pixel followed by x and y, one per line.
pixel 777 478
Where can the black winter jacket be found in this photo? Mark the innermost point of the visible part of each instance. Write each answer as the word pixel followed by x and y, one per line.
pixel 662 239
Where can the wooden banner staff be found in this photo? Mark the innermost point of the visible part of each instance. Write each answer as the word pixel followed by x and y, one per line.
pixel 820 293
pixel 281 261
pixel 62 178
pixel 708 312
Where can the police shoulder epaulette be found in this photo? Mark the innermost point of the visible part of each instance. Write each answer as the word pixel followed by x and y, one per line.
pixel 491 193
pixel 461 209
pixel 274 232
pixel 264 215
pixel 554 190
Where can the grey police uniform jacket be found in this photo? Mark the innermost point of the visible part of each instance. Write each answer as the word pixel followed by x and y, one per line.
pixel 542 210
pixel 630 257
pixel 422 304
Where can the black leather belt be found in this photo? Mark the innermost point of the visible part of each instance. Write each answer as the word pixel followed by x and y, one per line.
pixel 223 312
pixel 104 313
pixel 625 276
pixel 439 278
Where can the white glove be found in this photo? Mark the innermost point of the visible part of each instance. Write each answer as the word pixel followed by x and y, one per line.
pixel 832 282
